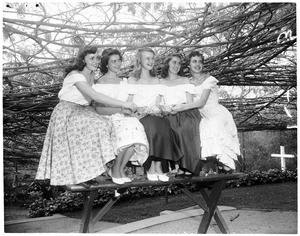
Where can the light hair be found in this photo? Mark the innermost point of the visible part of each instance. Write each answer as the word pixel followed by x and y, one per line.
pixel 137 65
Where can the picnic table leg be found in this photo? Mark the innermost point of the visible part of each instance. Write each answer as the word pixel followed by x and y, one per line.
pixel 86 225
pixel 105 209
pixel 166 195
pixel 211 202
pixel 217 216
pixel 200 204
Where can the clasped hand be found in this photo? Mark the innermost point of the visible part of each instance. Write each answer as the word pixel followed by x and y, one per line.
pixel 166 109
pixel 129 107
pixel 177 108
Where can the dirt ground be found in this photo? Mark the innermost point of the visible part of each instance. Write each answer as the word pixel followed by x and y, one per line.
pixel 15 213
pixel 246 221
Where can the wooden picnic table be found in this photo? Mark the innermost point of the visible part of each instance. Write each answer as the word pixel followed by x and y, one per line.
pixel 211 187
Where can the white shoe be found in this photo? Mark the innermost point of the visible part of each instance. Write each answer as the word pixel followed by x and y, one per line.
pixel 115 180
pixel 152 177
pixel 163 177
pixel 126 179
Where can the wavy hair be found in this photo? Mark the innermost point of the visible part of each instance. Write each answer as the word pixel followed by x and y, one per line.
pixel 106 54
pixel 79 62
pixel 195 54
pixel 138 67
pixel 166 66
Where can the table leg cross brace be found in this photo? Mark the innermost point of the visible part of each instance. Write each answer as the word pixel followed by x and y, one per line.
pixel 210 209
pixel 88 222
pixel 211 200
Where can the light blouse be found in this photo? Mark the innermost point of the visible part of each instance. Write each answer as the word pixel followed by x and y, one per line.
pixel 178 94
pixel 69 92
pixel 209 83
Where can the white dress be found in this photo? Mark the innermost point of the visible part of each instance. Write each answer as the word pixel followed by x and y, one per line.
pixel 218 132
pixel 127 130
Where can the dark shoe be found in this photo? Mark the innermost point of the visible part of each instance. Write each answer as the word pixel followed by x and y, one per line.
pixel 85 184
pixel 188 176
pixel 210 165
pixel 179 176
pixel 226 171
pixel 223 169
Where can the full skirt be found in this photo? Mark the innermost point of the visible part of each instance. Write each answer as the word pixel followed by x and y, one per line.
pixel 77 145
pixel 185 125
pixel 219 136
pixel 128 131
pixel 162 146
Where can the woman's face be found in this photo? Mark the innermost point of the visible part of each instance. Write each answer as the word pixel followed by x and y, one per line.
pixel 114 63
pixel 174 65
pixel 147 60
pixel 196 65
pixel 92 61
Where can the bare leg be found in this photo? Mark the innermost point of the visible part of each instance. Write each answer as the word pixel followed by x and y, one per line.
pixel 151 173
pixel 152 168
pixel 115 170
pixel 126 157
pixel 158 169
pixel 161 176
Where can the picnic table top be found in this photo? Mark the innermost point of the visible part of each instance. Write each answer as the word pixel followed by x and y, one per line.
pixel 142 181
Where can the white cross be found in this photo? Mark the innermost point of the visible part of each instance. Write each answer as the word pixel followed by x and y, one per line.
pixel 282 155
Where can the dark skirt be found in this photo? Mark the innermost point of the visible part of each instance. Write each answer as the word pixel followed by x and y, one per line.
pixel 162 146
pixel 185 125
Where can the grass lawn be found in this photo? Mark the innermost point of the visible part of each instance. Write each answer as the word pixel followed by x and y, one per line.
pixel 281 197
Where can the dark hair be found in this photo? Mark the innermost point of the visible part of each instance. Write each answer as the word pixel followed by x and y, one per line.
pixel 137 66
pixel 106 54
pixel 195 54
pixel 79 62
pixel 165 68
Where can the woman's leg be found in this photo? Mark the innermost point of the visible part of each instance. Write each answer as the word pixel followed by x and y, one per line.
pixel 128 152
pixel 115 170
pixel 152 168
pixel 160 175
pixel 158 169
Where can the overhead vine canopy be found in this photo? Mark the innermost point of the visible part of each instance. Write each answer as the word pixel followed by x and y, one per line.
pixel 249 47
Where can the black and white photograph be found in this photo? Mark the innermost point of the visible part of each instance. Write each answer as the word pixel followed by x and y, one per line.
pixel 147 117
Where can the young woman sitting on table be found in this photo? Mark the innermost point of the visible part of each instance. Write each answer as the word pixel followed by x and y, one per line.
pixel 162 147
pixel 129 137
pixel 77 144
pixel 218 132
pixel 185 124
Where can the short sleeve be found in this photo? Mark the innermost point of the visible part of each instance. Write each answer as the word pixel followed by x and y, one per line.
pixel 72 79
pixel 69 91
pixel 190 88
pixel 210 83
